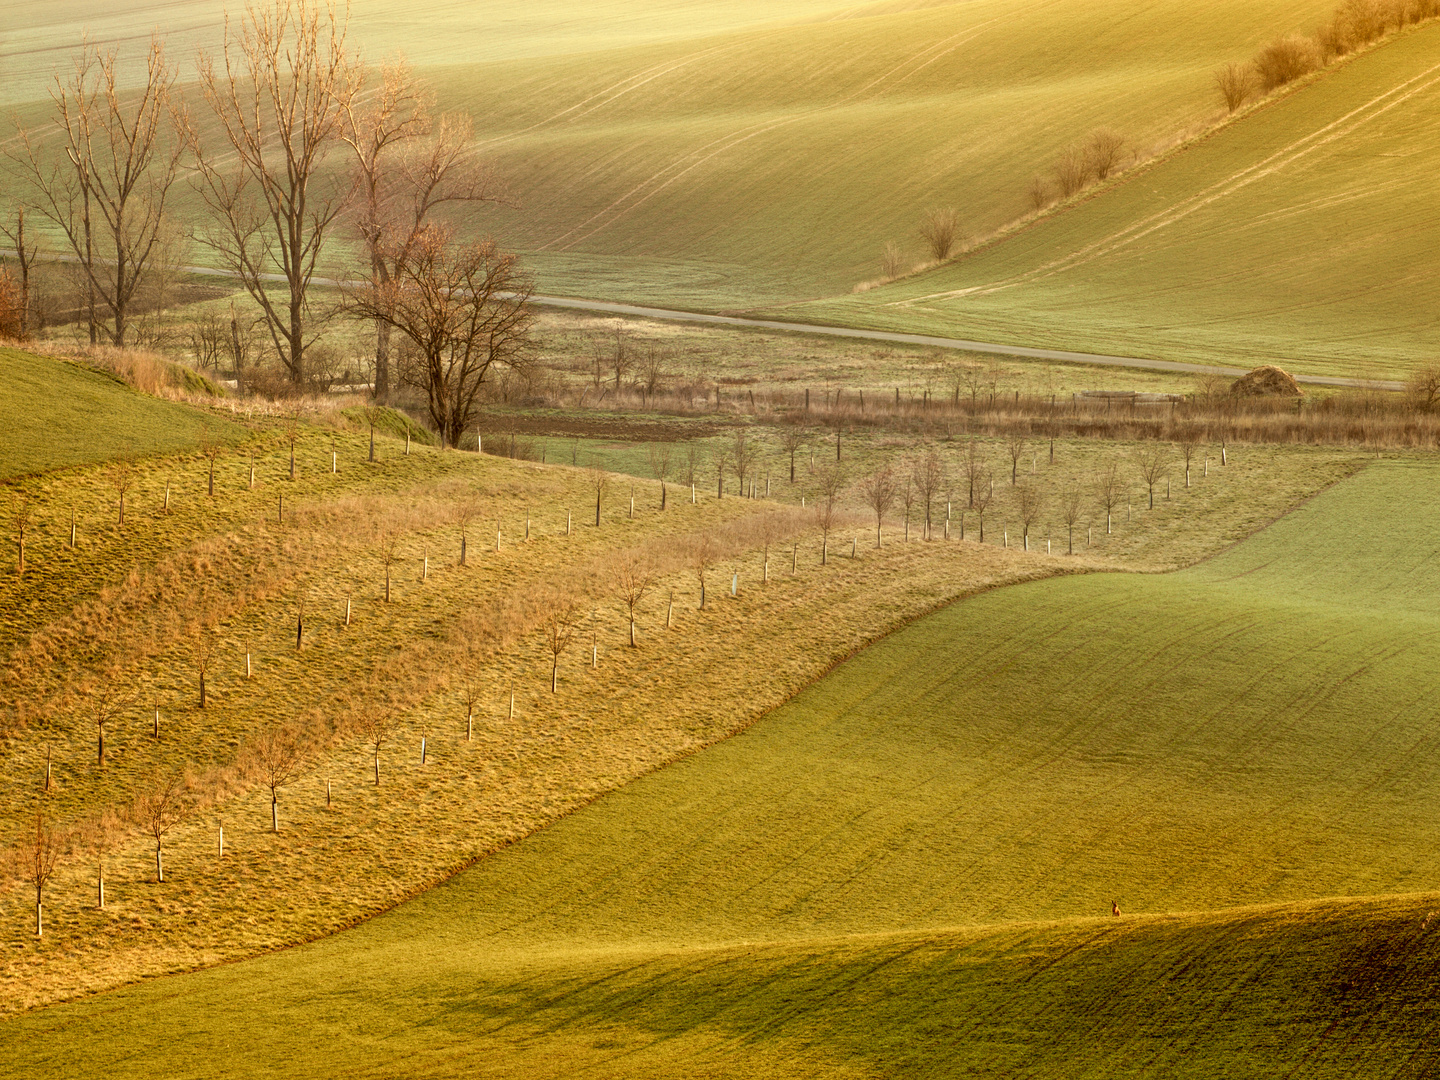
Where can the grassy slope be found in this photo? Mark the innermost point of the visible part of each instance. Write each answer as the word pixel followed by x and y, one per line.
pixel 1258 729
pixel 779 162
pixel 57 414
pixel 1302 233
pixel 738 154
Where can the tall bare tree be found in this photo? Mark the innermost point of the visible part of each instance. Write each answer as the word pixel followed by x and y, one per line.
pixel 375 722
pixel 106 704
pixel 280 92
pixel 107 196
pixel 407 164
pixel 27 249
pixel 464 306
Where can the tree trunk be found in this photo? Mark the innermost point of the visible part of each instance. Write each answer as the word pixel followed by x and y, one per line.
pixel 555 673
pixel 462 551
pixel 202 689
pixel 387 584
pixel 159 863
pixel 632 628
pixel 377 768
pixel 274 813
pixel 597 509
pixel 39 920
pixel 100 754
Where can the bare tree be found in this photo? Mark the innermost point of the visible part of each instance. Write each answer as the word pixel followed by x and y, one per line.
pixel 107 199
pixel 27 250
pixel 791 441
pixel 467 509
pixel 660 453
pixel 21 511
pixel 599 481
pixel 202 649
pixel 890 261
pixel 939 229
pixel 407 165
pixel 464 307
pixel 106 703
pixel 275 756
pixel 389 556
pixel 1423 386
pixel 879 489
pixel 1103 150
pixel 375 723
pixel 121 475
pixel 1109 489
pixel 210 450
pixel 1236 82
pixel 160 809
pixel 720 461
pixel 1031 501
pixel 690 465
pixel 907 492
pixel 974 466
pixel 42 854
pixel 280 93
pixel 1188 439
pixel 702 558
pixel 827 506
pixel 1154 465
pixel 984 496
pixel 652 373
pixel 1016 445
pixel 560 626
pixel 928 472
pixel 1071 504
pixel 742 457
pixel 634 578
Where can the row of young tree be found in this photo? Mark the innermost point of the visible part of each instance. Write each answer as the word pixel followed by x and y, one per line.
pixel 294 140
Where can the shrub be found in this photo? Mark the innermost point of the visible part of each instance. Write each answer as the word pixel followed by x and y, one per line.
pixel 1072 171
pixel 1236 83
pixel 1102 152
pixel 890 261
pixel 1287 59
pixel 939 230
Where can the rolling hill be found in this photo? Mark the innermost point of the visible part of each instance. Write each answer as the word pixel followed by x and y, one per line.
pixel 901 869
pixel 1301 234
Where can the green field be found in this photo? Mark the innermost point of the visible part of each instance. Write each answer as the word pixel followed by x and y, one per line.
pixel 1258 730
pixel 1301 234
pixel 57 414
pixel 740 154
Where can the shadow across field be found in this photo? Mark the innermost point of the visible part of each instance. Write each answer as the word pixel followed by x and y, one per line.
pixel 1239 740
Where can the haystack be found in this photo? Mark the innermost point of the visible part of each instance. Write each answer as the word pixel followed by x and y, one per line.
pixel 1266 381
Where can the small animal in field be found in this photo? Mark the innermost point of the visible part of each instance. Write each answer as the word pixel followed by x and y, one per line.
pixel 1114 909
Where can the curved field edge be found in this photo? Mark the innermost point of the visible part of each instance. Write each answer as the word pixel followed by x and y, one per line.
pixel 578 946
